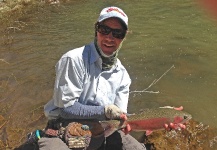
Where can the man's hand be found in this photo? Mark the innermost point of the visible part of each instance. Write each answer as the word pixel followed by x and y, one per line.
pixel 174 126
pixel 113 112
pixel 128 128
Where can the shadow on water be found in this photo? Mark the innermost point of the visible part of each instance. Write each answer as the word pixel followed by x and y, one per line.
pixel 162 34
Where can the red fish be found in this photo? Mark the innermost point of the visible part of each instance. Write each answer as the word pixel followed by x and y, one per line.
pixel 148 120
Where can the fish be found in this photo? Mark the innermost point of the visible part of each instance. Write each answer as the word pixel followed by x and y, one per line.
pixel 147 120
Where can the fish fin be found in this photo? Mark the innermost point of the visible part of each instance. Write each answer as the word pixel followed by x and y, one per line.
pixel 179 108
pixel 109 132
pixel 172 107
pixel 108 129
pixel 148 132
pixel 128 115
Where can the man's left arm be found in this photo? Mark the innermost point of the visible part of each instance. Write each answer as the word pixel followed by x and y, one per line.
pixel 122 95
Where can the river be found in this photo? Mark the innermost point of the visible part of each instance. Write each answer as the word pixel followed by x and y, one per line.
pixel 170 42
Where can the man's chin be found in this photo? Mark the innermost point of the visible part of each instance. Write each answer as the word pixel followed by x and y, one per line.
pixel 108 51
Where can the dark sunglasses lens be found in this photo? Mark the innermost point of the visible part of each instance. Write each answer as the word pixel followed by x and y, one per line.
pixel 117 33
pixel 104 29
pixel 120 34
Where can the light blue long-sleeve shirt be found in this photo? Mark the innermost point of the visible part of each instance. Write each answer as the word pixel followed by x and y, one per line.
pixel 79 77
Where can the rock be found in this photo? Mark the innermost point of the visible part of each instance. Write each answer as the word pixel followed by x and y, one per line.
pixel 52 1
pixel 4 8
pixel 17 8
pixel 24 2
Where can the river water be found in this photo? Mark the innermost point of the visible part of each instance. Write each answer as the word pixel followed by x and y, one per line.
pixel 170 42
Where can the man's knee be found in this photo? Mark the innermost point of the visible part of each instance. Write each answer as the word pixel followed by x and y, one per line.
pixel 52 144
pixel 130 143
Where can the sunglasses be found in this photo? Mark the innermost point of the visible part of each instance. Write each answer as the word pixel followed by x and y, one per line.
pixel 117 33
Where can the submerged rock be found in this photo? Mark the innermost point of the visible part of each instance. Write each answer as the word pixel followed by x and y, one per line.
pixel 196 136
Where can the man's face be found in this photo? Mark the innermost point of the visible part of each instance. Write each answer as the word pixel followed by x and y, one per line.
pixel 108 43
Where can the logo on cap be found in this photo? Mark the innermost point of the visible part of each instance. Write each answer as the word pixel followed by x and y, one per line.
pixel 117 10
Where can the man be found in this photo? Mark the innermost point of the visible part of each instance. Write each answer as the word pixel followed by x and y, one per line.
pixel 92 84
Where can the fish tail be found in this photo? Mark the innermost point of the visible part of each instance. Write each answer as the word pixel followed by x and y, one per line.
pixel 108 128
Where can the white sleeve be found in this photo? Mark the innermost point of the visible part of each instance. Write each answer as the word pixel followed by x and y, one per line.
pixel 68 83
pixel 122 96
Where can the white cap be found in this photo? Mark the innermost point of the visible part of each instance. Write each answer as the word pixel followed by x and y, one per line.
pixel 112 11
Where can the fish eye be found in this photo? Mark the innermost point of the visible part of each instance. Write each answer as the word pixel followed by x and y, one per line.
pixel 185 117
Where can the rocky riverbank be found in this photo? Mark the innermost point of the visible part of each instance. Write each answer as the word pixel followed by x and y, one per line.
pixel 17 5
pixel 11 10
pixel 13 7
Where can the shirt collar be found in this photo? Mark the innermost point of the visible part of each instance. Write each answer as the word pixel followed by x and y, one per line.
pixel 94 56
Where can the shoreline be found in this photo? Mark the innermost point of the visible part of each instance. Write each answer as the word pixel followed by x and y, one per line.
pixel 13 6
pixel 12 10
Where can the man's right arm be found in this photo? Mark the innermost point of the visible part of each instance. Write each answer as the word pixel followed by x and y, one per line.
pixel 68 87
pixel 80 111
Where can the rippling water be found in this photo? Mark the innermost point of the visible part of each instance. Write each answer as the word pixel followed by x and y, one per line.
pixel 162 34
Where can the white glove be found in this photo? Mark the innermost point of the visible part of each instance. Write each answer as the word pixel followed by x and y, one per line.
pixel 113 112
